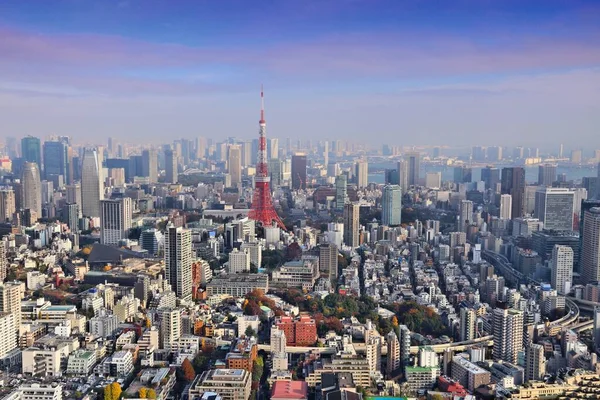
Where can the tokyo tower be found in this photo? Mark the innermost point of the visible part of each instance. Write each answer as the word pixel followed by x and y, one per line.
pixel 262 205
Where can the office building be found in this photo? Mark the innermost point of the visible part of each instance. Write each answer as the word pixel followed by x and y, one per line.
pixel 465 215
pixel 237 285
pixel 341 191
pixel 230 384
pixel 254 250
pixel 70 216
pixel 92 190
pixel 535 363
pixel 351 224
pixel 596 328
pixel 362 174
pixel 562 269
pixel 555 208
pixel 56 162
pixel 468 323
pixel 505 206
pixel 508 334
pixel 150 165
pixel 413 160
pixel 171 173
pixel 546 174
pixel 513 183
pixel 491 177
pixel 31 151
pixel 115 220
pixel 433 180
pixel 463 174
pixel 235 165
pixel 299 171
pixel 328 261
pixel 468 374
pixel 7 204
pixel 32 188
pixel 590 250
pixel 170 326
pixel 178 261
pixel 239 261
pixel 391 205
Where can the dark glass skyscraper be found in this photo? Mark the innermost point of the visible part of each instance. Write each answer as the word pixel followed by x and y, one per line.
pixel 55 161
pixel 513 183
pixel 491 176
pixel 299 171
pixel 31 150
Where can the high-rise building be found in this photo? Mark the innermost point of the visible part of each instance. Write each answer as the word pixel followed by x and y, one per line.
pixel 598 184
pixel 8 334
pixel 341 191
pixel 508 334
pixel 351 224
pixel 393 354
pixel 235 165
pixel 590 250
pixel 362 174
pixel 546 174
pixel 562 268
pixel 56 163
pixel 239 261
pixel 32 188
pixel 513 183
pixel 465 215
pixel 576 156
pixel 299 171
pixel 150 165
pixel 491 176
pixel 555 208
pixel 535 363
pixel 391 205
pixel 413 159
pixel 170 326
pixel 31 150
pixel 10 301
pixel 463 174
pixel 596 328
pixel 171 175
pixel 178 261
pixel 91 186
pixel 273 148
pixel 73 195
pixel 468 323
pixel 115 220
pixel 3 260
pixel 433 180
pixel 7 204
pixel 494 153
pixel 328 260
pixel 479 153
pixel 505 206
pixel 402 170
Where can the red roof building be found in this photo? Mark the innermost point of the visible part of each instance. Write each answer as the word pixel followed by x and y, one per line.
pixel 282 390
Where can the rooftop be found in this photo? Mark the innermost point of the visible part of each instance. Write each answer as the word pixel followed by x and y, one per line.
pixel 289 390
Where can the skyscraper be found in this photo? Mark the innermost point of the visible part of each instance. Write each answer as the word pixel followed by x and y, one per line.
pixel 32 188
pixel 555 208
pixel 150 165
pixel 31 150
pixel 535 363
pixel 413 159
pixel 178 261
pixel 299 171
pixel 505 206
pixel 596 328
pixel 402 169
pixel 463 174
pixel 91 187
pixel 235 165
pixel 341 191
pixel 362 174
pixel 546 174
pixel 468 320
pixel 7 204
pixel 491 176
pixel 70 216
pixel 170 326
pixel 513 183
pixel 590 251
pixel 465 215
pixel 55 162
pixel 10 301
pixel 391 205
pixel 171 166
pixel 393 354
pixel 508 334
pixel 115 220
pixel 73 194
pixel 562 268
pixel 351 224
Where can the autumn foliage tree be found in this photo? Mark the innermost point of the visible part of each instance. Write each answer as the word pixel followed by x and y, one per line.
pixel 187 370
pixel 142 393
pixel 112 391
pixel 151 394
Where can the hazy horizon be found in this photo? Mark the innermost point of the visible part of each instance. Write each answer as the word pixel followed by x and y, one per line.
pixel 404 73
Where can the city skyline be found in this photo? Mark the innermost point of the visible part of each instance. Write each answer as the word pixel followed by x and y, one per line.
pixel 526 72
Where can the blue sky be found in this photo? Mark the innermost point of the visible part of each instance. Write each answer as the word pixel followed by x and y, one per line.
pixel 402 72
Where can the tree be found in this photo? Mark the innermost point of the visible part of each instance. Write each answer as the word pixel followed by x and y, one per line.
pixel 257 369
pixel 143 393
pixel 188 370
pixel 250 332
pixel 151 394
pixel 112 391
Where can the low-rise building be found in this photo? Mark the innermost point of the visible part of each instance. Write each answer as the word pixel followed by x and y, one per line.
pixel 237 285
pixel 230 384
pixel 81 362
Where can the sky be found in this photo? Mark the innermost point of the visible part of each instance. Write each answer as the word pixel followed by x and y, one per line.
pixel 418 72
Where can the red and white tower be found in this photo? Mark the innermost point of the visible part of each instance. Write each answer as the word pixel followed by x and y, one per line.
pixel 262 205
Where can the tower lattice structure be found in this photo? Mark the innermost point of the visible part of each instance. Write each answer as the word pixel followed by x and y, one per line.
pixel 262 205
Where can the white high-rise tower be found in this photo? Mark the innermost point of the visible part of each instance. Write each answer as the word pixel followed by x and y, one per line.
pixel 562 268
pixel 91 186
pixel 115 220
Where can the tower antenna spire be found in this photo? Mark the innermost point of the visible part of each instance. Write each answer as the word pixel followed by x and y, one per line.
pixel 262 105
